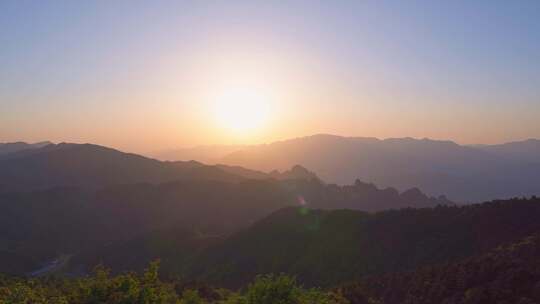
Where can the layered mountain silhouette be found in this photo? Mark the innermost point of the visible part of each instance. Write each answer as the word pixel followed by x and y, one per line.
pixel 80 205
pixel 463 173
pixel 72 198
pixel 224 224
pixel 93 166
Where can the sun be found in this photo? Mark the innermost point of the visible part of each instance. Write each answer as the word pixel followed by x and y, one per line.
pixel 242 110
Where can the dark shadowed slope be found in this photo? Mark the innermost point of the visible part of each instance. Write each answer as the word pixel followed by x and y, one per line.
pixel 42 224
pixel 507 274
pixel 332 247
pixel 438 167
pixel 39 225
pixel 174 246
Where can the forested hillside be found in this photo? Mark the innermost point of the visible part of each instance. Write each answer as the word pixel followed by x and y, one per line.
pixel 506 274
pixel 488 253
pixel 39 225
pixel 326 248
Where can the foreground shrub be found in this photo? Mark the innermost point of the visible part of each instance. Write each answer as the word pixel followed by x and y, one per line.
pixel 130 288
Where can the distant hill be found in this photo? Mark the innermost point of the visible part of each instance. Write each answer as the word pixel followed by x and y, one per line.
pixel 297 172
pixel 93 166
pixel 463 173
pixel 7 148
pixel 525 151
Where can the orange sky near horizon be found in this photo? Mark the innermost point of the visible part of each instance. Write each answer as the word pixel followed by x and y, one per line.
pixel 144 78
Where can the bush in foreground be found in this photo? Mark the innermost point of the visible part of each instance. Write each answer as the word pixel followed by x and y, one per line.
pixel 130 288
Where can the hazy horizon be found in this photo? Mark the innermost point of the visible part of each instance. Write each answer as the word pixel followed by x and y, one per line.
pixel 180 147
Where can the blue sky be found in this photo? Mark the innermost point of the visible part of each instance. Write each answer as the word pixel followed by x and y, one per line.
pixel 91 71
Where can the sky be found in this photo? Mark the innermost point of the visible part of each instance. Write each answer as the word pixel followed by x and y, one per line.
pixel 151 75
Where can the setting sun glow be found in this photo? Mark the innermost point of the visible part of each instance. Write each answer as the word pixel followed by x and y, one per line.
pixel 242 110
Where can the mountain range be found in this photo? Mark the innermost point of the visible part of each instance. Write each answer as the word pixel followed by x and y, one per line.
pixel 75 198
pixel 94 166
pixel 464 173
pixel 65 208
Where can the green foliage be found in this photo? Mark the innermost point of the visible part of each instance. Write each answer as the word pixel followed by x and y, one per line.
pixel 283 289
pixel 235 299
pixel 270 289
pixel 318 296
pixel 147 288
pixel 191 297
pixel 127 288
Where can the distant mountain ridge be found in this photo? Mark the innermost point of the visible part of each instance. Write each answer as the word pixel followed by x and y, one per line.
pixel 463 173
pixel 93 166
pixel 205 154
pixel 526 151
pixel 7 148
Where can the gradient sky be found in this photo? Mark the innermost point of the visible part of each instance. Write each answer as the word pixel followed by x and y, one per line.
pixel 138 75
